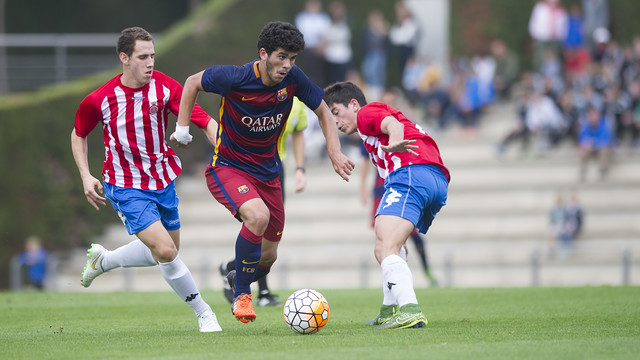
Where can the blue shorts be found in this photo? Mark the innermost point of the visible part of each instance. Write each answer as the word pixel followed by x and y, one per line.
pixel 415 193
pixel 140 208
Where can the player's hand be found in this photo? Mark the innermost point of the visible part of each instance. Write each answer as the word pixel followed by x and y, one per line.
pixel 364 195
pixel 181 136
pixel 401 146
pixel 92 190
pixel 301 180
pixel 342 165
pixel 175 142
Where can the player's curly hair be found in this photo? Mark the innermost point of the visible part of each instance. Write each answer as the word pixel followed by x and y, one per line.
pixel 279 34
pixel 342 93
pixel 127 40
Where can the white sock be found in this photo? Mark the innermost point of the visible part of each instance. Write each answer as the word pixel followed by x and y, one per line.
pixel 397 279
pixel 133 254
pixel 387 296
pixel 179 278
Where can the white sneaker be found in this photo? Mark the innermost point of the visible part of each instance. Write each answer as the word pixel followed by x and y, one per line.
pixel 94 264
pixel 208 322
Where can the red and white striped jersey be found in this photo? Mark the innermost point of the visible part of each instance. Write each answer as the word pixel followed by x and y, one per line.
pixel 369 119
pixel 134 123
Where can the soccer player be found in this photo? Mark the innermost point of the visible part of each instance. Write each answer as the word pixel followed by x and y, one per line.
pixel 296 123
pixel 243 175
pixel 139 168
pixel 416 183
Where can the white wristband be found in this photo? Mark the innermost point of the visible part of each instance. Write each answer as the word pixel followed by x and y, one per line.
pixel 182 134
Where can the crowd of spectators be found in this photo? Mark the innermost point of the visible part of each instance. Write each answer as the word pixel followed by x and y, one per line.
pixel 579 73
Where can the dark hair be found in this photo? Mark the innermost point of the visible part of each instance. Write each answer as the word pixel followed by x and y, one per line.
pixel 128 37
pixel 279 34
pixel 342 93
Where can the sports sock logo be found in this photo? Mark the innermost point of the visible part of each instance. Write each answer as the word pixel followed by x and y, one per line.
pixel 390 285
pixel 191 297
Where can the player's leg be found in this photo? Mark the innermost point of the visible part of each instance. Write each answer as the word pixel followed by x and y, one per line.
pixel 389 305
pixel 421 246
pixel 391 233
pixel 162 243
pixel 269 256
pixel 255 217
pixel 133 254
pixel 413 195
pixel 272 195
pixel 224 269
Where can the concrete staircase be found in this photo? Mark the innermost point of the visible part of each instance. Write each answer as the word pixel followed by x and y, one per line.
pixel 493 232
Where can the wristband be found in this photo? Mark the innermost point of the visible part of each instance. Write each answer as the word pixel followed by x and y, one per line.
pixel 182 134
pixel 301 168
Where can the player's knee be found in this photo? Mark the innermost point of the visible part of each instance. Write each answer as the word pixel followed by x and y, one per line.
pixel 257 221
pixel 165 252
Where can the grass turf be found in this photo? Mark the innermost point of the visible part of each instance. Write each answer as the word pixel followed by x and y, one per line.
pixel 503 323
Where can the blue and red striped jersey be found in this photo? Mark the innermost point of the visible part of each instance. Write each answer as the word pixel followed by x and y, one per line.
pixel 253 115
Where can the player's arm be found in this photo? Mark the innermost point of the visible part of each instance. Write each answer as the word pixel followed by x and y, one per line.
pixel 211 131
pixel 190 92
pixel 92 186
pixel 341 164
pixel 297 143
pixel 397 143
pixel 365 194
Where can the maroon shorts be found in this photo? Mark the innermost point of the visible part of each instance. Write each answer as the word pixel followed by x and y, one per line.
pixel 233 187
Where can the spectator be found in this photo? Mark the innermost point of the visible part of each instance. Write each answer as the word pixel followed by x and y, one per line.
pixel 601 38
pixel 375 47
pixel 570 115
pixel 545 122
pixel 596 15
pixel 506 71
pixel 628 126
pixel 520 131
pixel 557 218
pixel 548 28
pixel 595 140
pixel 34 260
pixel 575 216
pixel 313 23
pixel 576 56
pixel 484 67
pixel 566 222
pixel 404 33
pixel 337 43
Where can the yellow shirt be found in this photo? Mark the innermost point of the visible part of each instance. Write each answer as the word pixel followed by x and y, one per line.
pixel 297 121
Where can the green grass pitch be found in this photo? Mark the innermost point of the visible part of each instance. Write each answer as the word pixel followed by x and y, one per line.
pixel 503 323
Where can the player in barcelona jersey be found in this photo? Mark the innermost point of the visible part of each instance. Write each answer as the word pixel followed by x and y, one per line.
pixel 139 168
pixel 415 189
pixel 243 175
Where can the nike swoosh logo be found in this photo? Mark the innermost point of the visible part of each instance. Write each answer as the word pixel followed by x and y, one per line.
pixel 247 99
pixel 93 265
pixel 279 233
pixel 250 262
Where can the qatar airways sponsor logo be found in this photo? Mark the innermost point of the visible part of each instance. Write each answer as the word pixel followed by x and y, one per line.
pixel 262 124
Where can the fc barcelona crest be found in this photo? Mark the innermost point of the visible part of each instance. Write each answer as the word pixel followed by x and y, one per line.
pixel 243 189
pixel 282 94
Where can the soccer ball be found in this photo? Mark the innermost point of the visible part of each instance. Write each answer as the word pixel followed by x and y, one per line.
pixel 306 311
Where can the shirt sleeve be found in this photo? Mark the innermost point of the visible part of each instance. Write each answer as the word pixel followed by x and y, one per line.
pixel 87 117
pixel 218 79
pixel 308 92
pixel 370 119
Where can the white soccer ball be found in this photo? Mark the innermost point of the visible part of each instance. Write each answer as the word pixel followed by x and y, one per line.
pixel 306 311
